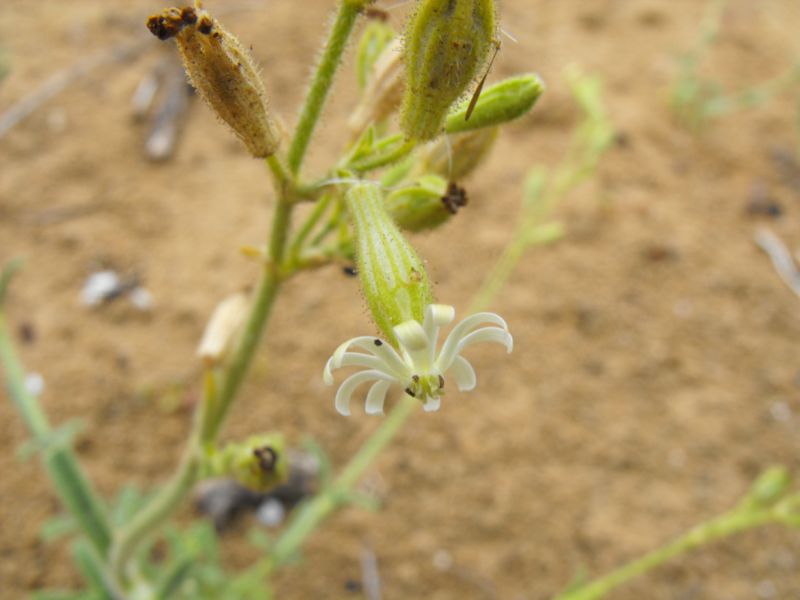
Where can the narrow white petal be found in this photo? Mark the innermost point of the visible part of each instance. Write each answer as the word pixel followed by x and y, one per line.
pixel 376 397
pixel 451 344
pixel 464 374
pixel 349 385
pixel 392 361
pixel 355 359
pixel 411 336
pixel 436 315
pixel 416 346
pixel 488 334
pixel 432 404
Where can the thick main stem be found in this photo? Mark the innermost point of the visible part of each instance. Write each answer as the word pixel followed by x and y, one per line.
pixel 213 413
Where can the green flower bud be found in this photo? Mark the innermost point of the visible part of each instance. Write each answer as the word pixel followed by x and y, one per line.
pixel 223 73
pixel 447 43
pixel 259 463
pixel 395 283
pixel 456 156
pixel 376 37
pixel 770 487
pixel 499 103
pixel 426 203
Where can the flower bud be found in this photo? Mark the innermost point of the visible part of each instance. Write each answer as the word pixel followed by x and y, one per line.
pixel 223 73
pixel 426 203
pixel 223 328
pixel 456 156
pixel 447 42
pixel 376 37
pixel 499 103
pixel 394 280
pixel 384 90
pixel 768 488
pixel 259 463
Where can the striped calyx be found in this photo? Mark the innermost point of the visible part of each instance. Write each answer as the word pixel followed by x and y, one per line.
pixel 446 44
pixel 394 280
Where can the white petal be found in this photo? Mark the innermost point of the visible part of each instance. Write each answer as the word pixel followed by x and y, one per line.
pixel 432 404
pixel 376 397
pixel 464 374
pixel 488 334
pixel 350 384
pixel 436 315
pixel 451 344
pixel 354 359
pixel 393 363
pixel 411 336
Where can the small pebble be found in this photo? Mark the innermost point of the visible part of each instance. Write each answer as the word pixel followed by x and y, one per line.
pixel 781 411
pixel 141 298
pixel 99 287
pixel 34 383
pixel 271 512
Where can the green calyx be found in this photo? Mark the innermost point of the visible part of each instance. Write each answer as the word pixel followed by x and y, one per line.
pixel 499 103
pixel 395 283
pixel 259 463
pixel 446 44
pixel 423 204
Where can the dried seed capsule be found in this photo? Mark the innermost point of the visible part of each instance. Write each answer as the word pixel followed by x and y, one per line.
pixel 456 156
pixel 499 103
pixel 223 73
pixel 447 42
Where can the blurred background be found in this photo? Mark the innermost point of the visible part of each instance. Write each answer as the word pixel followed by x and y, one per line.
pixel 655 370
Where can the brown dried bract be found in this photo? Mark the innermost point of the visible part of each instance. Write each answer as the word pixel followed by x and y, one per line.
pixel 455 198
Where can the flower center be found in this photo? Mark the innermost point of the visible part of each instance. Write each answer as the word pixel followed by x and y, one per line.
pixel 426 386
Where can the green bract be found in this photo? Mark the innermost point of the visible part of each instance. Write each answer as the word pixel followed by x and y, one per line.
pixel 396 286
pixel 447 42
pixel 502 102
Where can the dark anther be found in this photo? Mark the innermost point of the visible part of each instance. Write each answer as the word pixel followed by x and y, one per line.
pixel 350 271
pixel 410 392
pixel 267 458
pixel 415 378
pixel 188 15
pixel 205 25
pixel 441 382
pixel 378 343
pixel 455 198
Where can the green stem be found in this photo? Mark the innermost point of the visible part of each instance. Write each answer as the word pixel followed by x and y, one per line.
pixel 213 410
pixel 62 466
pixel 323 78
pixel 316 214
pixel 705 533
pixel 326 502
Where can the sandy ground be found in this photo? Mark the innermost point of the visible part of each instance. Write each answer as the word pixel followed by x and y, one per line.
pixel 655 371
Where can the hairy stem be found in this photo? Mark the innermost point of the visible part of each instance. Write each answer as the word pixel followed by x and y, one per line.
pixel 323 78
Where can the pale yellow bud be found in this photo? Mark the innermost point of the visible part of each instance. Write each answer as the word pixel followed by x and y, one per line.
pixel 223 328
pixel 384 91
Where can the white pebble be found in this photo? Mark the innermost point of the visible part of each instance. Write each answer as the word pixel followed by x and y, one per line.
pixel 271 512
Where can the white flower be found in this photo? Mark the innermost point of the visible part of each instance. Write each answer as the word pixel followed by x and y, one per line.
pixel 416 368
